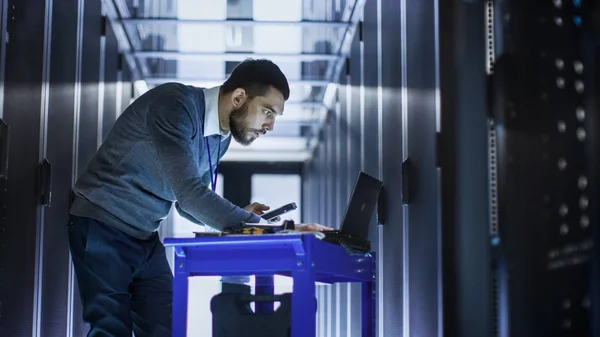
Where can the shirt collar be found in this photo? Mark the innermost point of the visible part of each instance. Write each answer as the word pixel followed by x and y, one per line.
pixel 212 125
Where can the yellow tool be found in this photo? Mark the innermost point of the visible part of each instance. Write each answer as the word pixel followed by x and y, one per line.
pixel 253 231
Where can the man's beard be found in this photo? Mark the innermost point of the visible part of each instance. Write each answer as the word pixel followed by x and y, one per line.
pixel 239 127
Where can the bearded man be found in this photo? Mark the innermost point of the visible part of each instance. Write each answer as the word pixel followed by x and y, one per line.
pixel 162 151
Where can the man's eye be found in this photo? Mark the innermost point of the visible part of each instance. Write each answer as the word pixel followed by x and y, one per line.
pixel 268 112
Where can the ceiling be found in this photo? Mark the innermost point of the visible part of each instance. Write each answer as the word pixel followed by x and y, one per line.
pixel 199 42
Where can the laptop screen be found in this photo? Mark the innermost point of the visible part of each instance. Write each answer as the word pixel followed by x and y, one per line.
pixel 361 206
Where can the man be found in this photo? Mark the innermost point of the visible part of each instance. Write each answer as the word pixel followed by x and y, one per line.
pixel 162 151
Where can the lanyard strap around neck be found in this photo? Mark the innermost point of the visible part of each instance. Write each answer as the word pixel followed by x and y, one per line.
pixel 213 176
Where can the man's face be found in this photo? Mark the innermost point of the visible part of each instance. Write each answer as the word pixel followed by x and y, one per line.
pixel 255 116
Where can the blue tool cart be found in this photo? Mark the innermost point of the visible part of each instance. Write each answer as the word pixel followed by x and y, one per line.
pixel 303 257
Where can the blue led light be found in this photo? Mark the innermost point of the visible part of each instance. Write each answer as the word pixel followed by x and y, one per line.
pixel 577 3
pixel 577 20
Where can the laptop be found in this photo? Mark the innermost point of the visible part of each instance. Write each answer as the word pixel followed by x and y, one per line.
pixel 353 234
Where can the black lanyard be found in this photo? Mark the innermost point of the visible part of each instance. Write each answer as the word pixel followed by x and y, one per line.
pixel 213 176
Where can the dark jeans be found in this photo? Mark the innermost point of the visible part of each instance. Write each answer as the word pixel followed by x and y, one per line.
pixel 125 283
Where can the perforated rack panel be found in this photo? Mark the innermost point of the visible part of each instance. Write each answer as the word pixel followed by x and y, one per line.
pixel 546 134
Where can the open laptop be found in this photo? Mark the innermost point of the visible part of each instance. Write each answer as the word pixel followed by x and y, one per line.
pixel 353 234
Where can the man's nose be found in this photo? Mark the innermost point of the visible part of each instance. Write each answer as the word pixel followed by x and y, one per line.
pixel 270 126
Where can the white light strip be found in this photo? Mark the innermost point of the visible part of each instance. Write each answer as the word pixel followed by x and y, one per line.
pixel 320 322
pixel 405 217
pixel 361 96
pixel 272 143
pixel 119 100
pixel 289 39
pixel 187 39
pixel 283 40
pixel 204 82
pixel 330 94
pixel 75 155
pixel 277 10
pixel 288 59
pixel 338 309
pixel 438 124
pixel 274 156
pixel 380 247
pixel 329 310
pixel 235 23
pixel 438 94
pixel 299 91
pixel 202 10
pixel 41 211
pixel 299 114
pixel 349 309
pixel 140 87
pixel 101 89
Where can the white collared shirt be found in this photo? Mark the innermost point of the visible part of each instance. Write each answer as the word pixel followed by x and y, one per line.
pixel 212 124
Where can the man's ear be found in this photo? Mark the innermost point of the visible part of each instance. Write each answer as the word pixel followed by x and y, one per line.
pixel 238 97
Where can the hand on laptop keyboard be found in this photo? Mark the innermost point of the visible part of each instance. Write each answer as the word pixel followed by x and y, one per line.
pixel 313 227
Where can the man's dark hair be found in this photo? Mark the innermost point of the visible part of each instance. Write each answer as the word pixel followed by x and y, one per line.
pixel 256 77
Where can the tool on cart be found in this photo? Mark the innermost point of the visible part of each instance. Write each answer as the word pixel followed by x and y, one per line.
pixel 253 229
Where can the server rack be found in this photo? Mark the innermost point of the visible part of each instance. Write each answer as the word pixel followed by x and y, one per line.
pixel 466 282
pixel 545 119
pixel 54 115
pixel 528 265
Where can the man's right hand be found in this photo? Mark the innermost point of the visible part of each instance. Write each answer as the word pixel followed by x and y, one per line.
pixel 257 208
